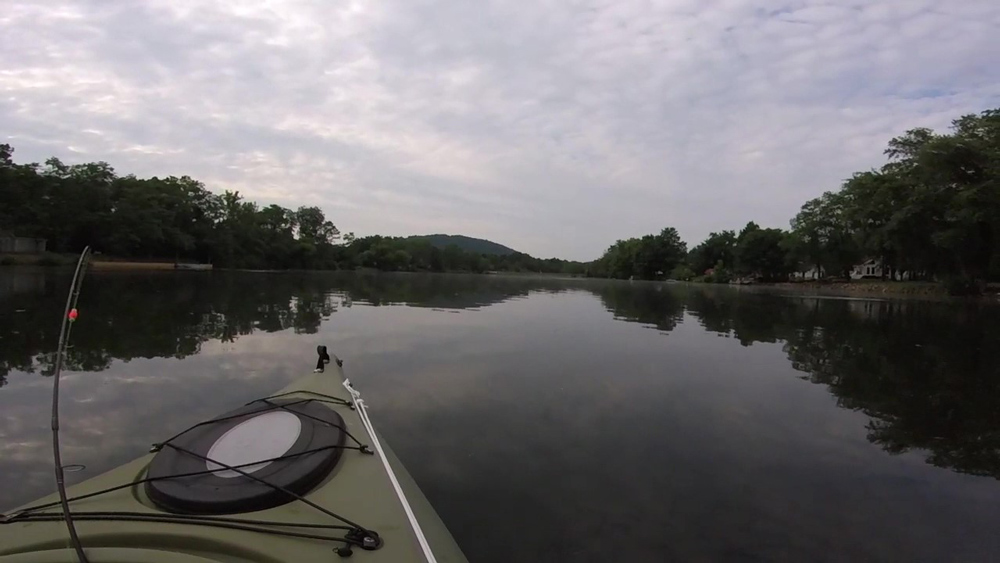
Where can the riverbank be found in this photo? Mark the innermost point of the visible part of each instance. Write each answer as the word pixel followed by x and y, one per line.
pixel 52 259
pixel 875 288
pixel 43 259
pixel 869 287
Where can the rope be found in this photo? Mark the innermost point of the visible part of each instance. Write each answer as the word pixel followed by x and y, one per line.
pixel 357 534
pixel 27 511
pixel 272 406
pixel 244 525
pixel 184 519
pixel 295 496
pixel 284 407
pixel 363 414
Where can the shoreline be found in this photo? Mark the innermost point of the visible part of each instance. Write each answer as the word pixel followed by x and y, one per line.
pixel 859 288
pixel 878 288
pixel 103 263
pixel 873 287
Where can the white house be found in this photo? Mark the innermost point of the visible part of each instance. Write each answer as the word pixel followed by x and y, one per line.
pixel 24 245
pixel 813 273
pixel 872 268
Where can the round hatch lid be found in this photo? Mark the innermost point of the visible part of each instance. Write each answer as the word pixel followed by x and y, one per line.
pixel 247 438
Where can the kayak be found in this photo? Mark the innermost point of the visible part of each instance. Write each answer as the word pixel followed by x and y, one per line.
pixel 301 475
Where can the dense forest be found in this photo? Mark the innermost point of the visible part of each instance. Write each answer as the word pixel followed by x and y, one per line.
pixel 175 218
pixel 932 212
pixel 476 245
pixel 180 219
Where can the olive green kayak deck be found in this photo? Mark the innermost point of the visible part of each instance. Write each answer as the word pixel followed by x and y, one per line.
pixel 358 488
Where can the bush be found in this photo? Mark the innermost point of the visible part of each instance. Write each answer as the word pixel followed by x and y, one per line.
pixel 719 274
pixel 963 285
pixel 49 260
pixel 681 272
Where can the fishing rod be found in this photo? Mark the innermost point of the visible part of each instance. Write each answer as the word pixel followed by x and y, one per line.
pixel 69 316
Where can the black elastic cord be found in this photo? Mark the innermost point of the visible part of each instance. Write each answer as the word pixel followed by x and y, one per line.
pixel 329 398
pixel 30 513
pixel 31 509
pixel 364 448
pixel 271 407
pixel 296 496
pixel 124 517
pixel 186 518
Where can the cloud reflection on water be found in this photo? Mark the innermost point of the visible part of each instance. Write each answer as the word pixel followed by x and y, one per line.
pixel 533 414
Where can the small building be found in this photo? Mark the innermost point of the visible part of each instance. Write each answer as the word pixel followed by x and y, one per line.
pixel 812 273
pixel 872 268
pixel 11 244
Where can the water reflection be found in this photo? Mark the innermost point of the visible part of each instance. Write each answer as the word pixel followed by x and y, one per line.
pixel 656 306
pixel 129 316
pixel 925 374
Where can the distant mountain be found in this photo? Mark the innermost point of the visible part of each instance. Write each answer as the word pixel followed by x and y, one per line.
pixel 469 244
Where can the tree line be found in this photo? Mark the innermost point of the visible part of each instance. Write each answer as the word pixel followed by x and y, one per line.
pixel 178 218
pixel 931 212
pixel 414 254
pixel 169 218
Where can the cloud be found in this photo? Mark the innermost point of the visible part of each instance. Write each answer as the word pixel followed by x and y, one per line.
pixel 554 127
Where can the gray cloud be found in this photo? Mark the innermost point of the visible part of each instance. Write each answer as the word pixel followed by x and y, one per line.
pixel 555 127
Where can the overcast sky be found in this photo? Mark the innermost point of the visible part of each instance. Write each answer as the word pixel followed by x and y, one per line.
pixel 552 127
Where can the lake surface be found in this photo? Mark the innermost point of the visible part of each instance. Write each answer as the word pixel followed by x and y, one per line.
pixel 557 420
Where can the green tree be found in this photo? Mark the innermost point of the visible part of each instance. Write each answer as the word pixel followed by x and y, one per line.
pixel 314 228
pixel 823 238
pixel 718 247
pixel 719 274
pixel 760 253
pixel 682 272
pixel 960 174
pixel 649 257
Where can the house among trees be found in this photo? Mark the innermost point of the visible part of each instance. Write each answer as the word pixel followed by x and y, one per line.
pixel 872 268
pixel 20 245
pixel 812 273
pixel 869 269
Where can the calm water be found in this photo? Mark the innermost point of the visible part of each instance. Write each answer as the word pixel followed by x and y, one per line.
pixel 558 420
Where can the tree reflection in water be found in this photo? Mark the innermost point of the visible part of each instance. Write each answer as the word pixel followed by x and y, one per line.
pixel 926 374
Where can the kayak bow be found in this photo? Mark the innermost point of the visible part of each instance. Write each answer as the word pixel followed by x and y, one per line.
pixel 297 476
